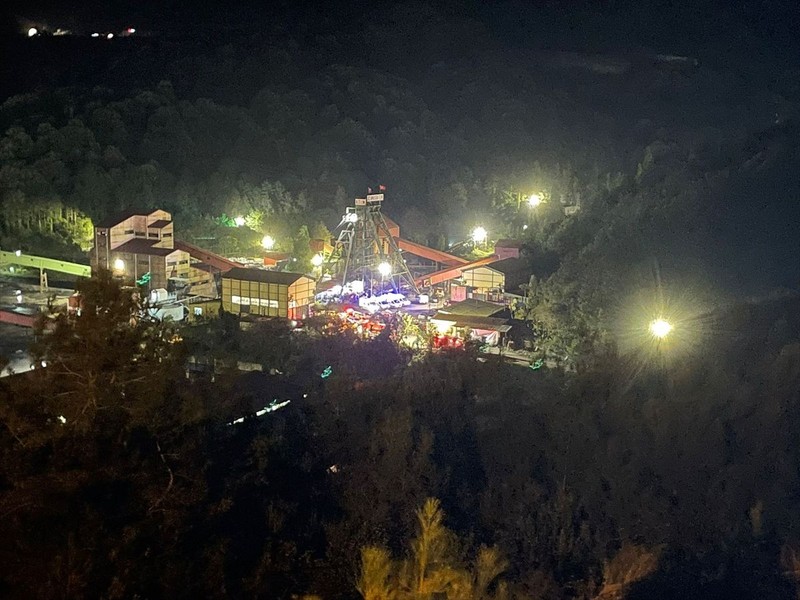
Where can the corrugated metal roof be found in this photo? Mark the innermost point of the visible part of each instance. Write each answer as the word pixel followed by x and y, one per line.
pixel 472 308
pixel 124 216
pixel 263 276
pixel 141 246
pixel 488 323
pixel 118 218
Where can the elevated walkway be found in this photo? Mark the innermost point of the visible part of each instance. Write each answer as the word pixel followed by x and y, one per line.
pixel 429 253
pixel 454 272
pixel 48 264
pixel 222 264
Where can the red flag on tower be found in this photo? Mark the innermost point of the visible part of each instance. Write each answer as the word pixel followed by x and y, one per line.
pixel 381 188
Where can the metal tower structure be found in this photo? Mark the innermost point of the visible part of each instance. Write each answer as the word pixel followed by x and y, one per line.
pixel 366 251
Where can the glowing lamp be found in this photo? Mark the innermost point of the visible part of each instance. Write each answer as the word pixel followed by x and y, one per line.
pixel 239 221
pixel 119 265
pixel 385 269
pixel 109 36
pixel 32 31
pixel 17 252
pixel 534 200
pixel 351 217
pixel 317 260
pixel 479 235
pixel 442 327
pixel 660 328
pixel 267 241
pixel 95 35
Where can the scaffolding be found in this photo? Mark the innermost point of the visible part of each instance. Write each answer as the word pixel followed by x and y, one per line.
pixel 366 251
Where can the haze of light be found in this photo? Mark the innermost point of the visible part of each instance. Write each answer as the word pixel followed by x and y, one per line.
pixel 479 235
pixel 660 328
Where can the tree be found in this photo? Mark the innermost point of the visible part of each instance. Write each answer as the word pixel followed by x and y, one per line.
pixel 111 358
pixel 433 568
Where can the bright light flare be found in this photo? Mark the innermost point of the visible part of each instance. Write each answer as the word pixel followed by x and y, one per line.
pixel 317 260
pixel 534 200
pixel 385 269
pixel 119 265
pixel 479 235
pixel 268 242
pixel 660 328
pixel 663 327
pixel 110 36
pixel 239 221
pixel 32 32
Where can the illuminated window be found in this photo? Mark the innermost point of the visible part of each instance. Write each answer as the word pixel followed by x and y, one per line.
pixel 236 299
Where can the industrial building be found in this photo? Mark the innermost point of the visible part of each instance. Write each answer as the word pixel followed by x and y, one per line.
pixel 267 293
pixel 369 249
pixel 474 319
pixel 142 249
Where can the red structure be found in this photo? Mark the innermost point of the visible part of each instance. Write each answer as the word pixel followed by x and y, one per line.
pixel 429 253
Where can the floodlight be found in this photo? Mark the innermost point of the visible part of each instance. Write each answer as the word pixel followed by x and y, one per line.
pixel 660 328
pixel 479 235
pixel 267 241
pixel 385 269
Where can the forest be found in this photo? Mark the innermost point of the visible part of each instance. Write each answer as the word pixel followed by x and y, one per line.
pixel 399 474
pixel 633 472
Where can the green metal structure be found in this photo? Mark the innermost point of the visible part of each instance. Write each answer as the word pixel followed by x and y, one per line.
pixel 44 265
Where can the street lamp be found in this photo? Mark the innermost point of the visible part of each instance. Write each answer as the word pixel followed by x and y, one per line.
pixel 267 241
pixel 534 200
pixel 119 265
pixel 385 269
pixel 479 235
pixel 32 31
pixel 660 328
